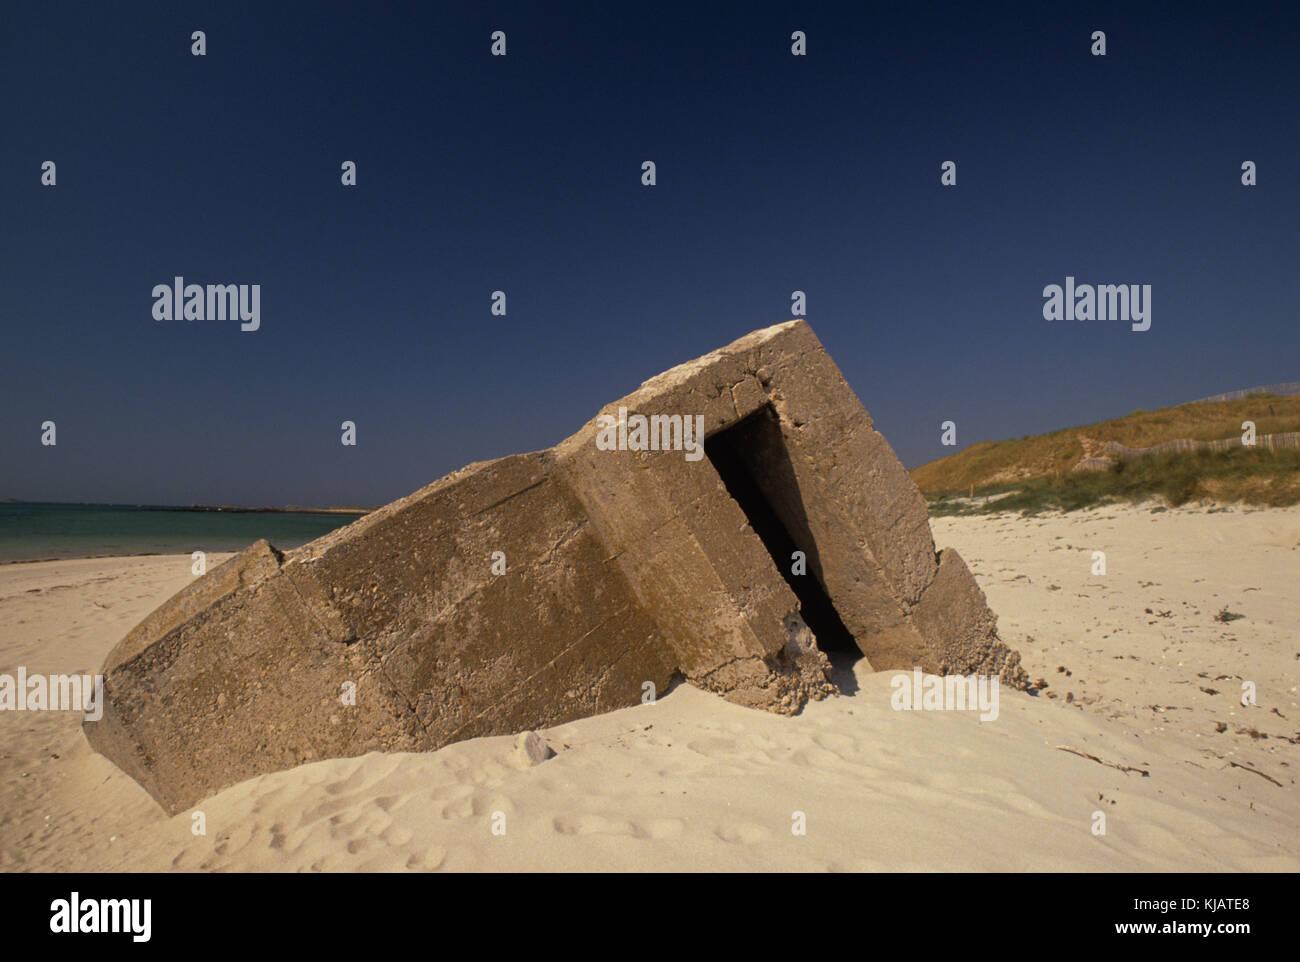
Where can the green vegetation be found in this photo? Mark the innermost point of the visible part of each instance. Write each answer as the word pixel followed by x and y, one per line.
pixel 1248 475
pixel 998 466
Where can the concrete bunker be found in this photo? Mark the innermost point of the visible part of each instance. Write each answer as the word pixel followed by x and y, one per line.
pixel 624 567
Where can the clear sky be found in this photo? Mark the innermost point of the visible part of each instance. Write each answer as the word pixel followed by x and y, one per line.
pixel 522 173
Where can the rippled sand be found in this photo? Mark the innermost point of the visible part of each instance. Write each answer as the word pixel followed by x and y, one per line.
pixel 1150 676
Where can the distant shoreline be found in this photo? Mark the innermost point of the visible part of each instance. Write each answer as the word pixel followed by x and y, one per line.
pixel 288 509
pixel 44 531
pixel 226 508
pixel 102 557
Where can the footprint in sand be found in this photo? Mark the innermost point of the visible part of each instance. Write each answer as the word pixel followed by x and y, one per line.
pixel 477 803
pixel 658 828
pixel 329 809
pixel 744 833
pixel 841 745
pixel 813 756
pixel 354 781
pixel 429 861
pixel 396 836
pixel 712 746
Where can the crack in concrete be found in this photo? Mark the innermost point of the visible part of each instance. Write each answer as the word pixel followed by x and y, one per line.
pixel 410 705
pixel 497 504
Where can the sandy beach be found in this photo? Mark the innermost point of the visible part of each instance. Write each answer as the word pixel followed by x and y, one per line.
pixel 1140 675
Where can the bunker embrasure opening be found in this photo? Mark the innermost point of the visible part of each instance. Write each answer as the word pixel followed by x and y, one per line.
pixel 754 463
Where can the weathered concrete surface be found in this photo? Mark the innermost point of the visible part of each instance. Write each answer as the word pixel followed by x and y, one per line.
pixel 623 567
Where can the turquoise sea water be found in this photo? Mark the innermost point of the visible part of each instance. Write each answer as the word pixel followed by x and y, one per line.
pixel 40 532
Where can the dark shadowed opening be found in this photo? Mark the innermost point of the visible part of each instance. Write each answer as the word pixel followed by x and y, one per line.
pixel 755 466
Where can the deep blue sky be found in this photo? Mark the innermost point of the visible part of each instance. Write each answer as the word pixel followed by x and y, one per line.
pixel 522 173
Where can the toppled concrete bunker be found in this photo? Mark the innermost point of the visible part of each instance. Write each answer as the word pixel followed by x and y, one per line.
pixel 631 553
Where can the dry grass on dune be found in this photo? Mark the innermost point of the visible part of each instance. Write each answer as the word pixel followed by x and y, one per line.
pixel 992 465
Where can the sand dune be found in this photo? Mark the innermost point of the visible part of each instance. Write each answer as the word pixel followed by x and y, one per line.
pixel 693 782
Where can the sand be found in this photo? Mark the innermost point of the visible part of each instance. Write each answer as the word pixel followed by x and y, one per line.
pixel 692 782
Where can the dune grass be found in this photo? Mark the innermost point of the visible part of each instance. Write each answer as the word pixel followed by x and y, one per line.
pixel 1246 475
pixel 991 464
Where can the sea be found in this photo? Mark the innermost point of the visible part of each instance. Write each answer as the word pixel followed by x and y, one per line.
pixel 47 532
